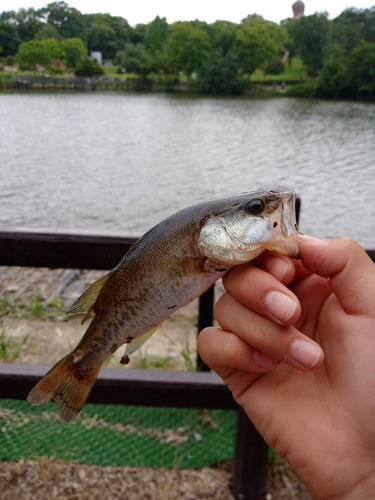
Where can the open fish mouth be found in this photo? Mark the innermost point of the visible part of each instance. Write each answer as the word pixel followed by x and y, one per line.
pixel 283 227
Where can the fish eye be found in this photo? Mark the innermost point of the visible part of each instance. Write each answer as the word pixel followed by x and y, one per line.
pixel 255 206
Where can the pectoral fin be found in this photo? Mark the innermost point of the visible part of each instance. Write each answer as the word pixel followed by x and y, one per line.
pixel 135 344
pixel 85 303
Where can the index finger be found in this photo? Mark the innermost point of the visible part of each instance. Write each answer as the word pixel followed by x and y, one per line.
pixel 262 293
pixel 283 268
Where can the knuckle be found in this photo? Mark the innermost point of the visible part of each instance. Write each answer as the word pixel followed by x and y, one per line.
pixel 222 304
pixel 231 350
pixel 350 243
pixel 204 343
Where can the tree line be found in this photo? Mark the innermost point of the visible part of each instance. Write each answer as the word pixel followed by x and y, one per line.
pixel 216 58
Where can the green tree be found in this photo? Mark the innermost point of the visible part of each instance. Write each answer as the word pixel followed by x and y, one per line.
pixel 32 53
pixel 334 77
pixel 53 48
pixel 122 30
pixel 47 31
pixel 187 48
pixel 222 35
pixel 254 45
pixel 274 67
pixel 311 38
pixel 68 21
pixel 138 34
pixel 219 74
pixel 349 75
pixel 347 30
pixel 38 52
pixel 89 67
pixel 362 69
pixel 26 21
pixel 9 38
pixel 352 26
pixel 103 38
pixel 134 59
pixel 74 51
pixel 156 35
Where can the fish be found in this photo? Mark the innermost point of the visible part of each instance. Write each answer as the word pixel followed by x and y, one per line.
pixel 171 265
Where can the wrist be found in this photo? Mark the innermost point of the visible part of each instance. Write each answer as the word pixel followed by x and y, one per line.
pixel 362 489
pixel 343 473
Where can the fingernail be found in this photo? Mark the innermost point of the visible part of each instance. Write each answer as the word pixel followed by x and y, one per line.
pixel 277 267
pixel 308 239
pixel 263 360
pixel 305 353
pixel 280 305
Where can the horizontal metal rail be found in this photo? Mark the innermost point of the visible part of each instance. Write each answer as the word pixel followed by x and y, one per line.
pixel 62 248
pixel 66 249
pixel 131 387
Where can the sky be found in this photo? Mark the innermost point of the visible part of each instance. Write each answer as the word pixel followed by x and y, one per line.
pixel 144 11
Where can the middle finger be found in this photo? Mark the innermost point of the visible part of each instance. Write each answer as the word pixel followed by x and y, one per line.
pixel 284 343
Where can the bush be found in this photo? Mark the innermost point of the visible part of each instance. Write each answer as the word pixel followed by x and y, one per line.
pixel 10 60
pixel 166 82
pixel 303 89
pixel 219 75
pixel 274 67
pixel 89 67
pixel 7 81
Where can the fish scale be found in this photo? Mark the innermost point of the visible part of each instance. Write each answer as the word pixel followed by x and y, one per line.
pixel 171 265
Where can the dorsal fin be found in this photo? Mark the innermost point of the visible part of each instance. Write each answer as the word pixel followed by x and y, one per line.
pixel 87 300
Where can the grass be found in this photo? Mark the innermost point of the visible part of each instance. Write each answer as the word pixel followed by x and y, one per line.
pixel 190 366
pixel 296 71
pixel 302 89
pixel 110 70
pixel 145 362
pixel 10 349
pixel 32 307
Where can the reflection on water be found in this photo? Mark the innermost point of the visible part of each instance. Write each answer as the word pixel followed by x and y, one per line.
pixel 124 162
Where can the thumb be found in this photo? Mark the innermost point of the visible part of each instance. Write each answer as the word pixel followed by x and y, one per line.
pixel 350 269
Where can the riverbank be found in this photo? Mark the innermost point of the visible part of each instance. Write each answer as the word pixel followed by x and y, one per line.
pixel 272 86
pixel 307 88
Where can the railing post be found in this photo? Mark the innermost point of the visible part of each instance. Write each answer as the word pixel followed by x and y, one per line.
pixel 250 460
pixel 205 318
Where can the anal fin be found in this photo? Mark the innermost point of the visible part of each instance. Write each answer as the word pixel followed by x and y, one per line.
pixel 136 344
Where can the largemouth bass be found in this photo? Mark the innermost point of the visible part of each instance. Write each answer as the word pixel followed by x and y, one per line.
pixel 172 264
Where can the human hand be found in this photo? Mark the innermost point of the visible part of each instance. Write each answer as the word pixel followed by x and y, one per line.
pixel 278 317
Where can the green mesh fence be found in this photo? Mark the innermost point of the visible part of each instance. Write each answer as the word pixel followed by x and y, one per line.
pixel 118 435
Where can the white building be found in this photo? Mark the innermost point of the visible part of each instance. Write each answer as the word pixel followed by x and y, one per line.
pixel 97 56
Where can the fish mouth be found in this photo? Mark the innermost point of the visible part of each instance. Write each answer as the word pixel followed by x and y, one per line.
pixel 283 226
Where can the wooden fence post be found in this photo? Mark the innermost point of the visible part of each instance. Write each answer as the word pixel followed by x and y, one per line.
pixel 250 460
pixel 205 318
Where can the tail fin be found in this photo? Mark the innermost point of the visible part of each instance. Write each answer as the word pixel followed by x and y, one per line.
pixel 65 384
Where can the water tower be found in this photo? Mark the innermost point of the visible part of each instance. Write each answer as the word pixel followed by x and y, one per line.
pixel 298 9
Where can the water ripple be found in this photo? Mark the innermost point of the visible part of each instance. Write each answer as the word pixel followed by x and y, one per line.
pixel 124 162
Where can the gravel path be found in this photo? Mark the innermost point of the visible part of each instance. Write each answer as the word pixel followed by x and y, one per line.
pixel 45 480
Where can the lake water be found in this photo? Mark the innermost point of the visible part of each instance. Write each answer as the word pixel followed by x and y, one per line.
pixel 116 161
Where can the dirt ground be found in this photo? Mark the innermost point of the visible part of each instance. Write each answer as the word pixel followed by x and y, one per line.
pixel 45 342
pixel 45 479
pixel 35 329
